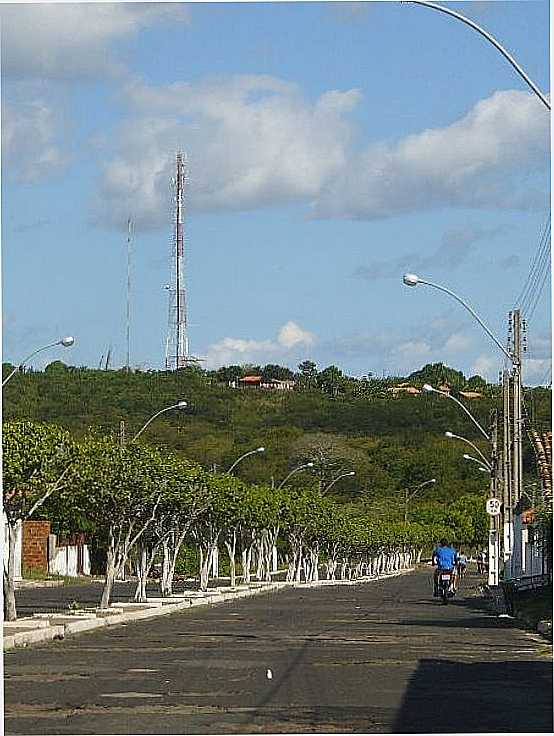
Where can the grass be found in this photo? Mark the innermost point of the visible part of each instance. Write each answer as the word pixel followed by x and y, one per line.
pixel 39 575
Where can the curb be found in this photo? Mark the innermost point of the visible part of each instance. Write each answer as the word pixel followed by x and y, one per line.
pixel 44 628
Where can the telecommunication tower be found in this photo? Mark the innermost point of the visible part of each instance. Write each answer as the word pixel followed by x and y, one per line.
pixel 177 345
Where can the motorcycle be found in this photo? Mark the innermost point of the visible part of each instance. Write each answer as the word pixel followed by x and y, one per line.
pixel 446 585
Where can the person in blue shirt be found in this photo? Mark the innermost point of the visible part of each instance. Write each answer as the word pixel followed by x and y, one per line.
pixel 444 557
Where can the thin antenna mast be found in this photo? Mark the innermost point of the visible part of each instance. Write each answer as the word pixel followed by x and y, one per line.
pixel 129 242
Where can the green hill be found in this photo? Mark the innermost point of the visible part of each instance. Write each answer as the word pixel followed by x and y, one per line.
pixel 348 424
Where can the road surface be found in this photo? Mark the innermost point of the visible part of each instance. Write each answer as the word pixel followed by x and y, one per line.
pixel 379 657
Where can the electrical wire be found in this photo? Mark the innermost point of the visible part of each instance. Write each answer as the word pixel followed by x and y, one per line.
pixel 538 273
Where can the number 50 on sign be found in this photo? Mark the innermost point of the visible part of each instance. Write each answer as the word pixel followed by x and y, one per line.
pixel 493 506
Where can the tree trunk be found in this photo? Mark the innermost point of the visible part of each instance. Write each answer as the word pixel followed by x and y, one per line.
pixel 205 562
pixel 141 568
pixel 166 582
pixel 109 579
pixel 231 551
pixel 10 610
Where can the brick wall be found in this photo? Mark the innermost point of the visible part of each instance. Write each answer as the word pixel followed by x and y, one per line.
pixel 35 545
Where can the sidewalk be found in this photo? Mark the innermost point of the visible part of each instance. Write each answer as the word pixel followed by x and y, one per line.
pixel 51 625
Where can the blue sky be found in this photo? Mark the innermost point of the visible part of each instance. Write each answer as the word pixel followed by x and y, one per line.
pixel 332 146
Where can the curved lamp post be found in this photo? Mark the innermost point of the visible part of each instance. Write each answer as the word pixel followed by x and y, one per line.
pixel 179 405
pixel 492 40
pixel 430 389
pixel 451 435
pixel 332 483
pixel 486 466
pixel 65 342
pixel 411 495
pixel 411 279
pixel 246 454
pixel 292 472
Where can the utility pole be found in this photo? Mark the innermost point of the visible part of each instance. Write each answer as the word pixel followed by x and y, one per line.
pixel 507 495
pixel 517 413
pixel 494 523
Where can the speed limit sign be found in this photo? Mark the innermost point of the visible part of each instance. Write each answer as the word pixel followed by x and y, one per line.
pixel 493 506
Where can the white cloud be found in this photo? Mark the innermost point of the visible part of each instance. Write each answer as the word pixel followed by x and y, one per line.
pixel 232 350
pixel 291 334
pixel 537 371
pixel 415 348
pixel 69 40
pixel 252 141
pixel 486 367
pixel 457 343
pixel 256 141
pixel 466 164
pixel 31 138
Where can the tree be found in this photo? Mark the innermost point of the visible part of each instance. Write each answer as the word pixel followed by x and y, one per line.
pixel 308 374
pixel 279 372
pixel 119 490
pixel 331 380
pixel 36 461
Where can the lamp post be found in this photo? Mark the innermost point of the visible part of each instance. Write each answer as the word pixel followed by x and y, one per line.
pixel 451 435
pixel 411 279
pixel 492 40
pixel 292 472
pixel 332 483
pixel 65 342
pixel 430 389
pixel 179 405
pixel 486 466
pixel 246 454
pixel 409 495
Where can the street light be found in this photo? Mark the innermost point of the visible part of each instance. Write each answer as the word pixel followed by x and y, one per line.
pixel 65 342
pixel 246 454
pixel 179 405
pixel 486 466
pixel 292 472
pixel 411 279
pixel 430 389
pixel 451 435
pixel 409 497
pixel 492 40
pixel 332 483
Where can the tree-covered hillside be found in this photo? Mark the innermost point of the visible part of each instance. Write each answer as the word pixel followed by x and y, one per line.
pixel 391 442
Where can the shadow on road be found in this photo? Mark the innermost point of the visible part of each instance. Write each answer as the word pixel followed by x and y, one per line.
pixel 445 696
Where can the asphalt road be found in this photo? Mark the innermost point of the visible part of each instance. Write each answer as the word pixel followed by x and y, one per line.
pixel 379 657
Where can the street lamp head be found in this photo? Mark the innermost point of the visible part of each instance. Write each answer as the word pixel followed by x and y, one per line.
pixel 410 279
pixel 260 449
pixel 466 456
pixel 67 342
pixel 352 472
pixel 433 480
pixel 182 405
pixel 449 435
pixel 428 388
pixel 309 465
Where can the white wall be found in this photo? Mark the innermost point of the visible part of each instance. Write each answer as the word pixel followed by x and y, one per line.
pixel 65 561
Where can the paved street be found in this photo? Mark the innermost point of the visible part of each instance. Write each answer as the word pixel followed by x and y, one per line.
pixel 378 657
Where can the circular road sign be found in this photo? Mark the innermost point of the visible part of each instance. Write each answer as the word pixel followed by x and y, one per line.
pixel 493 506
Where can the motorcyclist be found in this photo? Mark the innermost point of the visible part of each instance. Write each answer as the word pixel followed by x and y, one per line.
pixel 444 557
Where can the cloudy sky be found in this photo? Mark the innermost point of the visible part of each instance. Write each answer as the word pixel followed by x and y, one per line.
pixel 331 148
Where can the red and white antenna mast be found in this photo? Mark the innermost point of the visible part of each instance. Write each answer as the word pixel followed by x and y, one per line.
pixel 177 344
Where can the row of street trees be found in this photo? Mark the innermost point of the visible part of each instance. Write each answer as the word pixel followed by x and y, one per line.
pixel 141 505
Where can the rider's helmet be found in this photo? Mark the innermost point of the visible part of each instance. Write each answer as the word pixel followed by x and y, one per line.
pixel 444 542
